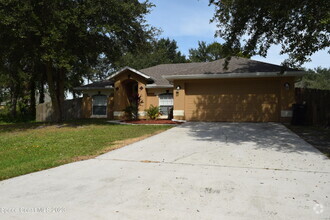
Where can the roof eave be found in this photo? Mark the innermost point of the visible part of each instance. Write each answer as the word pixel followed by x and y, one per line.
pixel 93 88
pixel 235 75
pixel 159 86
pixel 131 69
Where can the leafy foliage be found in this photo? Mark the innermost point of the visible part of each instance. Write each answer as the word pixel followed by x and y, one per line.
pixel 60 41
pixel 318 78
pixel 156 52
pixel 132 110
pixel 301 27
pixel 153 112
pixel 209 52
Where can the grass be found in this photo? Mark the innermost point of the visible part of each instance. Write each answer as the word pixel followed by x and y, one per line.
pixel 30 147
pixel 319 137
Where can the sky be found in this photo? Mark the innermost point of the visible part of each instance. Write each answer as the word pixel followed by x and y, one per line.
pixel 188 21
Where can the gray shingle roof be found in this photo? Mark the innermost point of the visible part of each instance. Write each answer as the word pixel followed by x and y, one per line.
pixel 97 85
pixel 157 72
pixel 235 65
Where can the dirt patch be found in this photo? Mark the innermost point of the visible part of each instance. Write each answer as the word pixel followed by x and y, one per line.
pixel 156 122
pixel 319 137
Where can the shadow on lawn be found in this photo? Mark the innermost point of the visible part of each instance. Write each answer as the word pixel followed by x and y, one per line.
pixel 319 137
pixel 266 136
pixel 36 125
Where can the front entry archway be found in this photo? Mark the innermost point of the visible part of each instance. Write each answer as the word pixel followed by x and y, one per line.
pixel 131 89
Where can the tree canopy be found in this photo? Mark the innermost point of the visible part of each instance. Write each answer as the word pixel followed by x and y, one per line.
pixel 156 52
pixel 60 41
pixel 209 52
pixel 301 27
pixel 318 78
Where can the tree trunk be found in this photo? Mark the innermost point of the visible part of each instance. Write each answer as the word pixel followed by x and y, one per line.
pixel 32 97
pixel 42 89
pixel 14 96
pixel 53 93
pixel 74 95
pixel 60 91
pixel 13 110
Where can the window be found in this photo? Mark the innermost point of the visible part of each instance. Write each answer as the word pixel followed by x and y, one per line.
pixel 100 105
pixel 165 103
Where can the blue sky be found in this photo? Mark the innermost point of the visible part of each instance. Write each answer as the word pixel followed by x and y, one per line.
pixel 188 21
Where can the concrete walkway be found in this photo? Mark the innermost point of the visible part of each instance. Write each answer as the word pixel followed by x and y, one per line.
pixel 193 171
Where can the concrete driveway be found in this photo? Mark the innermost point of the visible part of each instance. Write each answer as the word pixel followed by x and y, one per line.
pixel 193 171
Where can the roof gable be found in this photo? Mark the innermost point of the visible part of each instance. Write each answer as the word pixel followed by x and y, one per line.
pixel 130 69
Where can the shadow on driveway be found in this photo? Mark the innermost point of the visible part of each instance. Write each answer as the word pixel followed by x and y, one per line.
pixel 264 136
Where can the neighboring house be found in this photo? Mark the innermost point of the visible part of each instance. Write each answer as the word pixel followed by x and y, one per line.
pixel 247 90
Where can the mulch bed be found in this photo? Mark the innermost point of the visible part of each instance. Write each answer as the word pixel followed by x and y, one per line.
pixel 158 122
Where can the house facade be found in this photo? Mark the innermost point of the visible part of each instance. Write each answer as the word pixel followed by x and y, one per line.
pixel 245 91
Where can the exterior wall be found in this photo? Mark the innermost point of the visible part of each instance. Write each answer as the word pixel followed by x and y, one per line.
pixel 179 99
pixel 262 99
pixel 87 106
pixel 287 98
pixel 148 96
pixel 249 99
pixel 120 96
pixel 87 102
pixel 110 109
pixel 152 96
pixel 118 100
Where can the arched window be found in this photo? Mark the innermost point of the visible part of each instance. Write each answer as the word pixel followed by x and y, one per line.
pixel 100 105
pixel 165 103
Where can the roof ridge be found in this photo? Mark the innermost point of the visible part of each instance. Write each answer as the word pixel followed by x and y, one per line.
pixel 185 69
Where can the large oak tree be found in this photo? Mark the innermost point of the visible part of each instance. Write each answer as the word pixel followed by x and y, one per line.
pixel 301 27
pixel 63 39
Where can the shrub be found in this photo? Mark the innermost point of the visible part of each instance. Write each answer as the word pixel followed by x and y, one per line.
pixel 153 112
pixel 132 111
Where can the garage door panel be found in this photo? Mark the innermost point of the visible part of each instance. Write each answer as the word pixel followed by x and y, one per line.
pixel 230 88
pixel 227 102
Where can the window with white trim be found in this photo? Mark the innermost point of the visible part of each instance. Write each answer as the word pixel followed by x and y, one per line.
pixel 100 105
pixel 165 103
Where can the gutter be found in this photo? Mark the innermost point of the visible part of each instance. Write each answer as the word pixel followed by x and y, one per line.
pixel 235 75
pixel 159 86
pixel 93 88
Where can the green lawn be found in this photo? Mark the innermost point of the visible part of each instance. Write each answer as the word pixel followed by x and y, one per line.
pixel 29 147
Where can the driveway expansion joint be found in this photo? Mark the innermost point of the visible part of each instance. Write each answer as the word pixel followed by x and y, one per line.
pixel 214 165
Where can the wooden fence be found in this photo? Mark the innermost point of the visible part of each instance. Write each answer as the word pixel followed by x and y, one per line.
pixel 72 110
pixel 317 104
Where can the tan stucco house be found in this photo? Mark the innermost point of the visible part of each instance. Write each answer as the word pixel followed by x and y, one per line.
pixel 246 90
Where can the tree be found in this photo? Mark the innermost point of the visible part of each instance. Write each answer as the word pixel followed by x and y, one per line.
pixel 64 38
pixel 301 27
pixel 200 54
pixel 209 52
pixel 160 51
pixel 319 78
